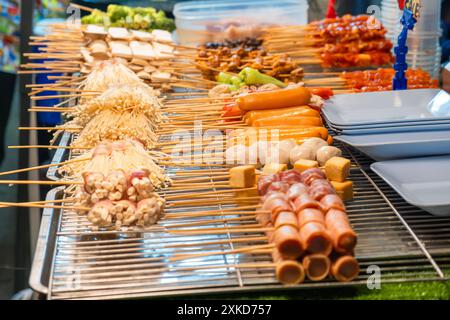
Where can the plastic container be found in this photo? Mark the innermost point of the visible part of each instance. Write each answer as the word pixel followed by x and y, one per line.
pixel 199 22
pixel 430 16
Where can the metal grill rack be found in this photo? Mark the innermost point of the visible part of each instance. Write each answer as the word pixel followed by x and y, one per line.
pixel 73 262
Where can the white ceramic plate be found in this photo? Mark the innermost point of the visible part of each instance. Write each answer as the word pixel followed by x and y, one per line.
pixel 393 125
pixel 400 145
pixel 422 182
pixel 413 129
pixel 388 107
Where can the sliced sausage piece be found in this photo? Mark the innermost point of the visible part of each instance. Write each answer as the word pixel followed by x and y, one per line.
pixel 274 195
pixel 279 186
pixel 310 215
pixel 286 218
pixel 288 243
pixel 343 236
pixel 317 266
pixel 304 201
pixel 291 176
pixel 345 269
pixel 287 271
pixel 310 175
pixel 332 201
pixel 275 206
pixel 315 238
pixel 296 190
pixel 264 183
pixel 320 188
pixel 290 272
pixel 263 218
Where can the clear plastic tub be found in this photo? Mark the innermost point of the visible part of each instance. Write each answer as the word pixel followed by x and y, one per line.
pixel 430 16
pixel 205 21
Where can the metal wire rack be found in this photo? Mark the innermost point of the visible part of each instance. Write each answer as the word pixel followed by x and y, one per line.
pixel 73 262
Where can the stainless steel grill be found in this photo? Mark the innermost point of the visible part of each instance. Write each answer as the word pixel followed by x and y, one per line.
pixel 405 242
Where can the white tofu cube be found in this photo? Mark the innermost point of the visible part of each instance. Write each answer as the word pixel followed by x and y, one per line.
pixel 119 33
pixel 120 49
pixel 142 50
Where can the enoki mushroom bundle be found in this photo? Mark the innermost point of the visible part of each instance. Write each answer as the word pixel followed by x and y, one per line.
pixel 119 185
pixel 108 73
pixel 128 111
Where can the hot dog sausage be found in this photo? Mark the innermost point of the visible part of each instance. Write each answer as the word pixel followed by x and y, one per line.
pixel 286 218
pixel 275 99
pixel 296 190
pixel 342 234
pixel 316 266
pixel 332 201
pixel 315 238
pixel 288 243
pixel 345 269
pixel 305 201
pixel 288 271
pixel 310 215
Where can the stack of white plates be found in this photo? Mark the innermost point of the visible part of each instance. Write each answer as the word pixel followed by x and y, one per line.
pixel 392 124
pixel 423 42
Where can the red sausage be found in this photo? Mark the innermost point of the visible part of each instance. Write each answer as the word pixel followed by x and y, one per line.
pixel 315 238
pixel 279 186
pixel 275 206
pixel 288 243
pixel 288 271
pixel 332 201
pixel 317 266
pixel 286 218
pixel 291 176
pixel 308 176
pixel 345 269
pixel 304 201
pixel 296 190
pixel 310 215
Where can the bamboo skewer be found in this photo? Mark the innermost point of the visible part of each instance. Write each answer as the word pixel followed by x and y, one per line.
pixel 44 166
pixel 43 206
pixel 42 182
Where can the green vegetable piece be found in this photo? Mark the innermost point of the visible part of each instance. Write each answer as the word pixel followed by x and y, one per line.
pixel 236 81
pixel 252 76
pixel 224 78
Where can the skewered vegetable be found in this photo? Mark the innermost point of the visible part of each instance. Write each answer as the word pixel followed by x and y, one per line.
pixel 130 17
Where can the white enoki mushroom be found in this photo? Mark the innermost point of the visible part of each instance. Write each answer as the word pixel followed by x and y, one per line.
pixel 101 214
pixel 117 214
pixel 149 211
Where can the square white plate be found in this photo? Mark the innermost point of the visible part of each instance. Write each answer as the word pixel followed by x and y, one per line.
pixel 422 182
pixel 388 107
pixel 414 128
pixel 389 146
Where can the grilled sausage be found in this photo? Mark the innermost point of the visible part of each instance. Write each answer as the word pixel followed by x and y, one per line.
pixel 343 236
pixel 316 266
pixel 345 269
pixel 308 176
pixel 296 190
pixel 315 238
pixel 286 218
pixel 305 201
pixel 332 201
pixel 288 243
pixel 288 271
pixel 310 215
